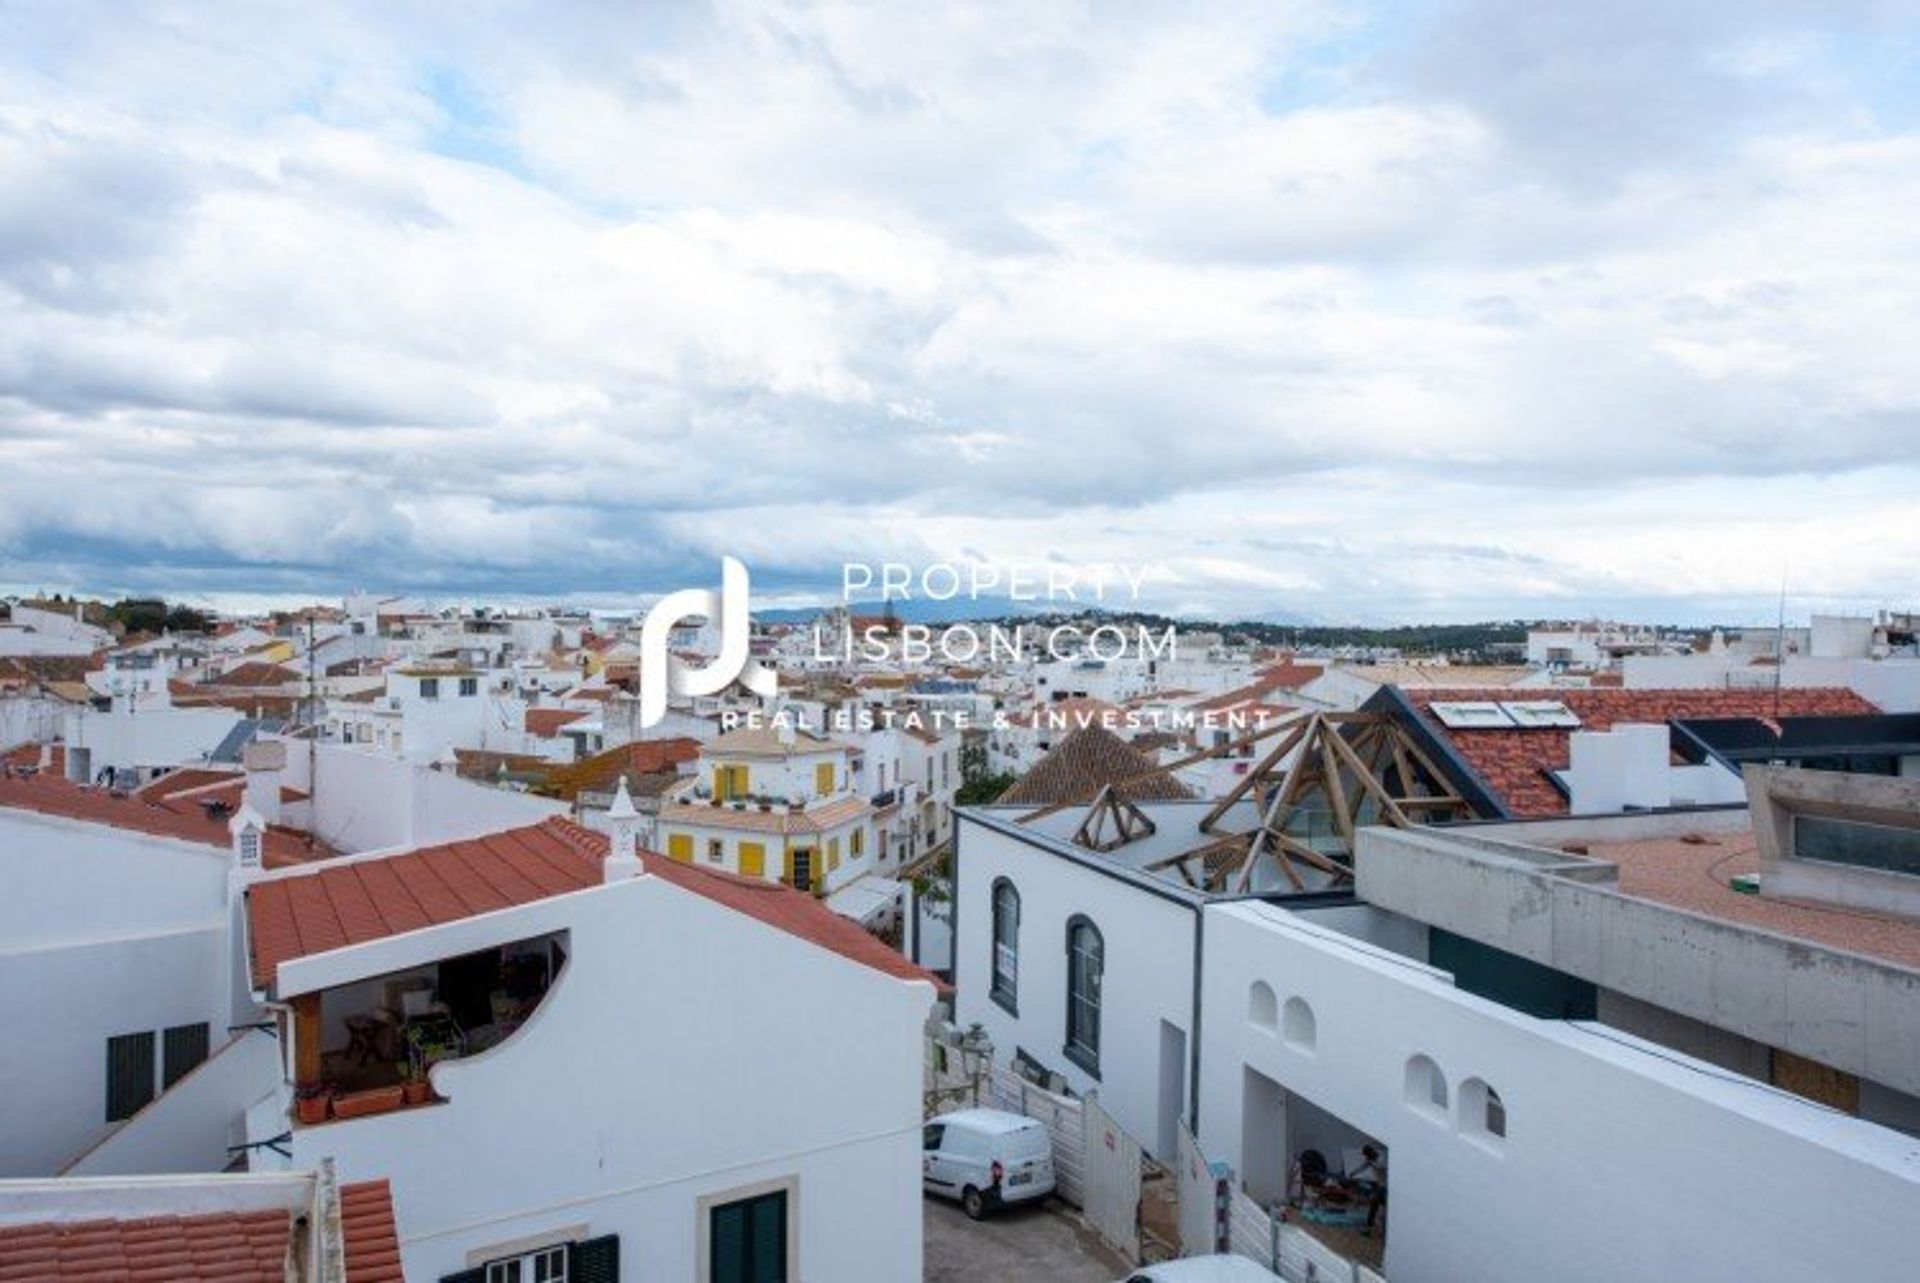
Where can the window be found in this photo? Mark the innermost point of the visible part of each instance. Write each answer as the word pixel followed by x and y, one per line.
pixel 182 1048
pixel 1483 1115
pixel 1263 1008
pixel 429 688
pixel 800 867
pixel 823 778
pixel 1005 989
pixel 1426 1087
pixel 747 1240
pixel 1085 962
pixel 716 851
pixel 1856 842
pixel 857 843
pixel 469 685
pixel 1297 1024
pixel 548 1265
pixel 129 1074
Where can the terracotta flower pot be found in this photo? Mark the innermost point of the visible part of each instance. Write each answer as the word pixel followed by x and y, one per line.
pixel 311 1109
pixel 417 1092
pixel 374 1100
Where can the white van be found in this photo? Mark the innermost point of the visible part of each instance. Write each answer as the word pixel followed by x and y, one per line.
pixel 987 1158
pixel 1204 1269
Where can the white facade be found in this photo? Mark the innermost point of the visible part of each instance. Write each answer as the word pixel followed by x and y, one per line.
pixel 1147 928
pixel 686 1054
pixel 31 631
pixel 103 932
pixel 1619 1160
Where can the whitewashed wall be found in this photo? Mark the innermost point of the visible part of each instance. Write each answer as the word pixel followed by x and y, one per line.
pixel 1149 968
pixel 685 1050
pixel 102 932
pixel 1618 1163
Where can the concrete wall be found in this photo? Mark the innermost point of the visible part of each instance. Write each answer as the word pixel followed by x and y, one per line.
pixel 685 1051
pixel 1148 944
pixel 1845 1010
pixel 152 738
pixel 366 802
pixel 190 1126
pixel 1619 1162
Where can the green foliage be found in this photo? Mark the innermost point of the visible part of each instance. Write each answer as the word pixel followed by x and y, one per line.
pixel 983 788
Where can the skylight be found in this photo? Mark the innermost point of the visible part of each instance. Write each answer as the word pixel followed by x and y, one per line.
pixel 1461 715
pixel 1541 712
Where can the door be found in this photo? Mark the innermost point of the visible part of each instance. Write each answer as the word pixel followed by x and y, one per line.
pixel 802 868
pixel 936 1171
pixel 753 860
pixel 1173 1089
pixel 680 847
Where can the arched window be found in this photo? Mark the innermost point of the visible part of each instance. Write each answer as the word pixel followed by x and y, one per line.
pixel 1482 1113
pixel 1005 989
pixel 1086 959
pixel 1297 1024
pixel 1426 1087
pixel 1263 1009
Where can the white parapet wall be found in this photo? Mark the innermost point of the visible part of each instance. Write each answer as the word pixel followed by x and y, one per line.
pixel 1619 1160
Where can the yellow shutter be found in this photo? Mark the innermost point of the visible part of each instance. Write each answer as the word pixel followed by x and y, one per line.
pixel 753 860
pixel 857 844
pixel 722 775
pixel 737 781
pixel 823 778
pixel 680 847
pixel 833 854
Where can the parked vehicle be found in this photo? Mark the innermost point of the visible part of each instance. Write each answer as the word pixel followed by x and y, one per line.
pixel 987 1158
pixel 1204 1269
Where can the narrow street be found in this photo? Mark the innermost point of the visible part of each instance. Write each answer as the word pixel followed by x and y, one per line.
pixel 1025 1245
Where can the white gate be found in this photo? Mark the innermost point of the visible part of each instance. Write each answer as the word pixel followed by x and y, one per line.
pixel 1203 1190
pixel 1113 1181
pixel 1063 1117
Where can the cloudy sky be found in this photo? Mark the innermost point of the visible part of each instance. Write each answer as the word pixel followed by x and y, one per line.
pixel 1395 311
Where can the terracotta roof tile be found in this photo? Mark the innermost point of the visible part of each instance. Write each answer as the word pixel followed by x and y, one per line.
pixel 1075 770
pixel 352 901
pixel 227 1247
pixel 48 794
pixel 547 722
pixel 1514 761
pixel 372 1239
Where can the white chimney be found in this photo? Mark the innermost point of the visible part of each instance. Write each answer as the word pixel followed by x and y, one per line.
pixel 264 760
pixel 623 824
pixel 249 832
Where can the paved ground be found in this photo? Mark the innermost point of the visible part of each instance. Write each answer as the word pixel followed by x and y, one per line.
pixel 1044 1244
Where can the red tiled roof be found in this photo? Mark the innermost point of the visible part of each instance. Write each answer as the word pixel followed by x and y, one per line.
pixel 351 902
pixel 546 722
pixel 256 673
pixel 178 818
pixel 372 1240
pixel 1289 675
pixel 1514 761
pixel 228 1247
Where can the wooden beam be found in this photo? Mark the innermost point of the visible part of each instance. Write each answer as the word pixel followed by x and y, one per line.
pixel 309 1067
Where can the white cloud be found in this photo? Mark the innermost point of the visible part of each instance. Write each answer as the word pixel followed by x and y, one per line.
pixel 1321 310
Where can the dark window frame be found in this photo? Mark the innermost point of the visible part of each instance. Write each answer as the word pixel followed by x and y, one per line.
pixel 183 1049
pixel 1086 970
pixel 1004 990
pixel 131 1066
pixel 752 1268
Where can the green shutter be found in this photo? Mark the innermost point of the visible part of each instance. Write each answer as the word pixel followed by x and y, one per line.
pixel 129 1075
pixel 595 1260
pixel 183 1047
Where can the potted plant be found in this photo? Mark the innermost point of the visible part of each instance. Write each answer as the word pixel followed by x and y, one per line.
pixel 310 1102
pixel 414 1087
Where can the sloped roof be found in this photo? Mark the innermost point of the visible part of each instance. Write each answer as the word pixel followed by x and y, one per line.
pixel 1515 761
pixel 546 722
pixel 354 901
pixel 768 740
pixel 163 816
pixel 227 1247
pixel 256 673
pixel 1087 760
pixel 636 760
pixel 371 1238
pixel 752 819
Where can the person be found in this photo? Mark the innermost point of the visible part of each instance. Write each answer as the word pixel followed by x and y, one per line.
pixel 1371 1179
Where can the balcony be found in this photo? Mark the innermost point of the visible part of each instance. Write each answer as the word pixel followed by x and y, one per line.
pixel 369 1047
